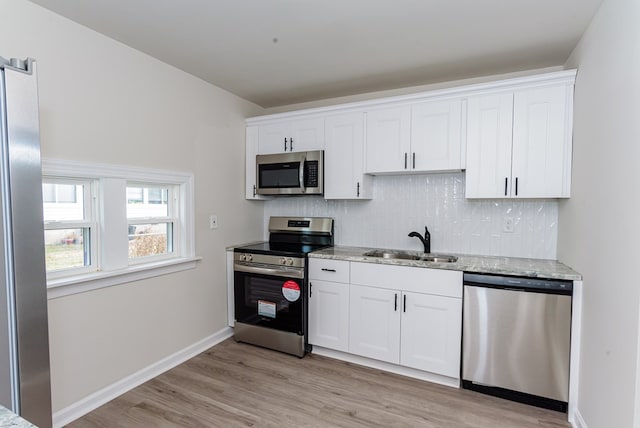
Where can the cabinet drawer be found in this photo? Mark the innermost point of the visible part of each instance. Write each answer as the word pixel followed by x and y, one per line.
pixel 329 270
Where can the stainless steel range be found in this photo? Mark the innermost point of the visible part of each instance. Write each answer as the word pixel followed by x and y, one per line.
pixel 270 284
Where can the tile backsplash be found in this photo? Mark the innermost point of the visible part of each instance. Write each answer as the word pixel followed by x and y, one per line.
pixel 406 203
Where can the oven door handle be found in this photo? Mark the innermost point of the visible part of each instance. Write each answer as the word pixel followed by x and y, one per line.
pixel 286 273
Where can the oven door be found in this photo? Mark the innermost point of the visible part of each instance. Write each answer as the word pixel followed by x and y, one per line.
pixel 271 297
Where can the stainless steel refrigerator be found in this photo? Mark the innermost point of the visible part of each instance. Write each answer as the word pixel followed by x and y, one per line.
pixel 25 384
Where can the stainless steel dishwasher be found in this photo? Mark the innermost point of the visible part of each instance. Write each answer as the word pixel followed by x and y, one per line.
pixel 516 338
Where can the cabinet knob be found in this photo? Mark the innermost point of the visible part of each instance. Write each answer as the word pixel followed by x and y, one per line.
pixel 395 302
pixel 414 160
pixel 506 179
pixel 516 186
pixel 291 144
pixel 285 144
pixel 358 191
pixel 405 160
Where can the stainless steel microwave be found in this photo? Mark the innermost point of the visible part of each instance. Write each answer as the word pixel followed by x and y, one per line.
pixel 300 173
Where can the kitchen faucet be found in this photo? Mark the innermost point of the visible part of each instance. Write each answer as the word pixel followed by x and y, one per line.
pixel 426 241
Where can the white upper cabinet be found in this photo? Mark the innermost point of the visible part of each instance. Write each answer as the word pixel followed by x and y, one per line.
pixel 541 166
pixel 291 136
pixel 419 138
pixel 344 158
pixel 436 136
pixel 519 143
pixel 388 140
pixel 251 150
pixel 489 137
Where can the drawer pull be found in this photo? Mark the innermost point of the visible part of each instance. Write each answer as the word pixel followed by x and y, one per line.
pixel 327 270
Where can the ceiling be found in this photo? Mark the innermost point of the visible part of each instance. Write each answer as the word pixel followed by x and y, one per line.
pixel 278 52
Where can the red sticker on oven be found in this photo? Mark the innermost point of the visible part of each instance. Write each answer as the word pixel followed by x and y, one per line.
pixel 291 291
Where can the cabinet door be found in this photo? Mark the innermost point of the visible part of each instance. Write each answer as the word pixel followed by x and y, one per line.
pixel 388 140
pixel 436 136
pixel 374 323
pixel 541 143
pixel 344 151
pixel 489 128
pixel 431 333
pixel 251 150
pixel 329 315
pixel 271 138
pixel 306 135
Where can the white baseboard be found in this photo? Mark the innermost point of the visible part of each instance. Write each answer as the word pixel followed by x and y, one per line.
pixel 97 399
pixel 578 421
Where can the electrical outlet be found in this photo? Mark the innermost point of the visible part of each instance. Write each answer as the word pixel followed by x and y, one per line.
pixel 213 221
pixel 507 225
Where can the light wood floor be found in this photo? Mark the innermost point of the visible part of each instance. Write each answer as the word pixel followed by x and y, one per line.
pixel 238 385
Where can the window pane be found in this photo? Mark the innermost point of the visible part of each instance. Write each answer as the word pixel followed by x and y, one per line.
pixel 150 239
pixel 66 248
pixel 63 202
pixel 158 196
pixel 135 195
pixel 49 192
pixel 156 203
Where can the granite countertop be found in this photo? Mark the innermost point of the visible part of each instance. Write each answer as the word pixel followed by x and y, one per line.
pixel 10 419
pixel 536 268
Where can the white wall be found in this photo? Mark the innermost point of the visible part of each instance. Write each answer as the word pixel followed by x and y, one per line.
pixel 598 227
pixel 405 203
pixel 101 101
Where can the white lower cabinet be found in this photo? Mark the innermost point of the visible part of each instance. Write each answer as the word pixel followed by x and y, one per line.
pixel 430 333
pixel 329 304
pixel 407 316
pixel 374 323
pixel 329 314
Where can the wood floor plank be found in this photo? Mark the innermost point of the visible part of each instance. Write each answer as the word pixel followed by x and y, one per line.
pixel 239 385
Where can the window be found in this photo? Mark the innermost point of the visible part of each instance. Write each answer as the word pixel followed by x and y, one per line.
pixel 151 220
pixel 106 225
pixel 69 229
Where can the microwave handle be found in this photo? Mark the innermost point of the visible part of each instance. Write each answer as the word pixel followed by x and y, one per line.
pixel 303 160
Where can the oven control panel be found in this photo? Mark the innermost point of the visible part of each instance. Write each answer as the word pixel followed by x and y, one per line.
pixel 267 259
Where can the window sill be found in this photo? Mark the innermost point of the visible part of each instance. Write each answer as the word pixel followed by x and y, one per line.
pixel 61 287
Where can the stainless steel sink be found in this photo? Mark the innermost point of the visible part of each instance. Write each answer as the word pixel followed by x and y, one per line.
pixel 404 255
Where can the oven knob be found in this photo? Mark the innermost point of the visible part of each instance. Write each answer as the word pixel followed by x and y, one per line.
pixel 290 262
pixel 249 257
pixel 243 257
pixel 282 261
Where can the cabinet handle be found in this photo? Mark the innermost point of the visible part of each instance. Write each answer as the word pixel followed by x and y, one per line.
pixel 405 160
pixel 516 186
pixel 254 190
pixel 291 144
pixel 414 160
pixel 285 144
pixel 404 308
pixel 358 193
pixel 328 270
pixel 505 186
pixel 395 303
pixel 310 289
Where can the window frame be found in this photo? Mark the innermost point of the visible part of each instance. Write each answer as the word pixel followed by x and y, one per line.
pixel 113 264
